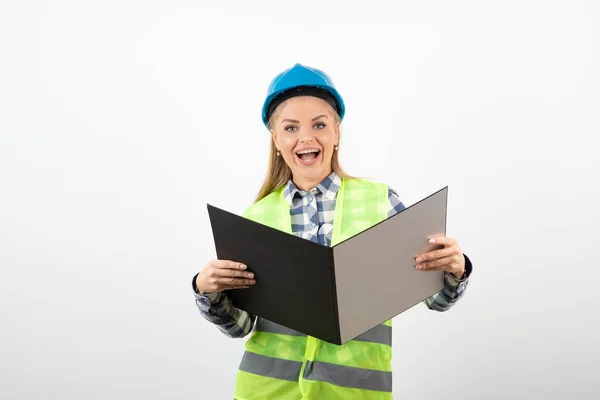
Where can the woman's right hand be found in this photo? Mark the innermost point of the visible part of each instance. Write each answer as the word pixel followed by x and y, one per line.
pixel 219 275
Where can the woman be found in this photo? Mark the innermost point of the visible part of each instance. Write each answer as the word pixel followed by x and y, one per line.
pixel 303 112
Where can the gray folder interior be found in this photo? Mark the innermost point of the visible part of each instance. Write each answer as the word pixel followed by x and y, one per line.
pixel 375 276
pixel 334 293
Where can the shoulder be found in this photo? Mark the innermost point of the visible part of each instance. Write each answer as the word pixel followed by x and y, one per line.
pixel 266 203
pixel 382 191
pixel 392 193
pixel 365 184
pixel 395 204
pixel 371 184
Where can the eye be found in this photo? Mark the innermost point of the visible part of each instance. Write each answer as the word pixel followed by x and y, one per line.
pixel 290 128
pixel 319 125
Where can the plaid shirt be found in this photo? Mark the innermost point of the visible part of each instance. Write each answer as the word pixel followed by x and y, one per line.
pixel 312 219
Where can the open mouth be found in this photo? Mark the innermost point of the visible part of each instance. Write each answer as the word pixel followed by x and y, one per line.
pixel 308 156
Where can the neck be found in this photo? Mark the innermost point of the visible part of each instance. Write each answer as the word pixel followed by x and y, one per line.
pixel 306 183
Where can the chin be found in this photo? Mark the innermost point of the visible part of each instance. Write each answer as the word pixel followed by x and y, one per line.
pixel 313 172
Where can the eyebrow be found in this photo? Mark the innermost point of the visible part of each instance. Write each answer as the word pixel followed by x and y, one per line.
pixel 297 122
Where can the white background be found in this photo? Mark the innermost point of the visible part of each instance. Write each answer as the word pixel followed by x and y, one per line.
pixel 120 120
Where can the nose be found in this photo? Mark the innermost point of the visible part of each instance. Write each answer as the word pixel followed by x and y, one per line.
pixel 307 139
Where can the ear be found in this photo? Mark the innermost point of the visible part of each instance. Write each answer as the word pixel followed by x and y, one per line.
pixel 274 138
pixel 337 134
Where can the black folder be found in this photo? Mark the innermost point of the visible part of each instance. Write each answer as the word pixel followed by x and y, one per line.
pixel 333 293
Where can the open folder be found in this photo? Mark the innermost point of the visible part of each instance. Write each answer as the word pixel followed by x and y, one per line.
pixel 334 293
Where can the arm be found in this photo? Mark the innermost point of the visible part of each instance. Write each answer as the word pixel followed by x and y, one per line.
pixel 454 288
pixel 218 309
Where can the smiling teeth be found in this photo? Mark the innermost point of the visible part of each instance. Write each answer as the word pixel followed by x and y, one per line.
pixel 308 151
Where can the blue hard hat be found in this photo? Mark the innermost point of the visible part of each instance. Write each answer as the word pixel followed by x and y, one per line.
pixel 297 81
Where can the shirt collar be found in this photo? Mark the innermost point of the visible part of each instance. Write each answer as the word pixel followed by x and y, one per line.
pixel 328 187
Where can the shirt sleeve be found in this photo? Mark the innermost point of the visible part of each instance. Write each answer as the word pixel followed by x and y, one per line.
pixel 395 204
pixel 454 288
pixel 218 309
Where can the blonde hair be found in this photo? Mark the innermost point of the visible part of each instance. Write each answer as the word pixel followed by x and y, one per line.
pixel 279 173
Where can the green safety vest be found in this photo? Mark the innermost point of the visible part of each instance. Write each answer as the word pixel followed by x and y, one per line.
pixel 281 363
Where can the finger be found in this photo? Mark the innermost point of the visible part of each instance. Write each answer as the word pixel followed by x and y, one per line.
pixel 236 282
pixel 228 264
pixel 444 263
pixel 443 240
pixel 233 273
pixel 235 287
pixel 436 254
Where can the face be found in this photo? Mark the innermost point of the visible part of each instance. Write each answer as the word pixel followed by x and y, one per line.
pixel 305 131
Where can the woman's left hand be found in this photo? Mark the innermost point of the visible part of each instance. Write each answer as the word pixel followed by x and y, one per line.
pixel 449 258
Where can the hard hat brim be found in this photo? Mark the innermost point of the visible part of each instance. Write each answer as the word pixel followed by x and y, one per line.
pixel 326 93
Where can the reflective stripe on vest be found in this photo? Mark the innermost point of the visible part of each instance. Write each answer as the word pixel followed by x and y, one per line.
pixel 270 366
pixel 380 334
pixel 263 325
pixel 288 364
pixel 339 375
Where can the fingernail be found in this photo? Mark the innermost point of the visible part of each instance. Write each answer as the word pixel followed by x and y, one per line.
pixel 432 240
pixel 242 266
pixel 250 275
pixel 419 259
pixel 419 267
pixel 252 282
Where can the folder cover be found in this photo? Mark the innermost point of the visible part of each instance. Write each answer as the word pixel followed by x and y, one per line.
pixel 333 293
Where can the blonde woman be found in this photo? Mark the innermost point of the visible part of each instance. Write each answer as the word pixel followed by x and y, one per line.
pixel 303 112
